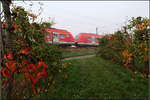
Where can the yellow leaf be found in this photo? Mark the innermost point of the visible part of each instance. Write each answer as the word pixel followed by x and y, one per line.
pixel 38 89
pixel 32 31
pixel 46 90
pixel 27 76
pixel 140 27
pixel 146 49
pixel 132 79
pixel 53 81
pixel 54 63
pixel 65 76
pixel 64 65
pixel 19 30
pixel 70 63
pixel 148 22
pixel 135 72
pixel 50 77
pixel 146 58
pixel 59 70
pixel 48 84
pixel 130 54
pixel 130 59
pixel 24 97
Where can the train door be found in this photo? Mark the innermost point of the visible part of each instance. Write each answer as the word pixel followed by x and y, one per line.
pixel 55 37
pixel 93 40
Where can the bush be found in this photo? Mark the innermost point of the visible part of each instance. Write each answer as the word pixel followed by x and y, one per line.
pixel 140 47
pixel 111 46
pixel 129 50
pixel 32 66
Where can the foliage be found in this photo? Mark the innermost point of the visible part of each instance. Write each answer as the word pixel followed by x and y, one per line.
pixel 32 64
pixel 111 46
pixel 140 27
pixel 47 24
pixel 131 50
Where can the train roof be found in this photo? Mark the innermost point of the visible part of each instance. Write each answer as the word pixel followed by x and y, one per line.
pixel 58 29
pixel 89 33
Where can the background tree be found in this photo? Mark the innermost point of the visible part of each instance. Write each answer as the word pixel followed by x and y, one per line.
pixel 8 35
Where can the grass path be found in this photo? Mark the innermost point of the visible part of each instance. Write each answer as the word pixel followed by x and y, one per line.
pixel 95 78
pixel 78 53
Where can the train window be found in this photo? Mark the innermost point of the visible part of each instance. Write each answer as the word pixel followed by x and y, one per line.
pixel 67 35
pixel 89 39
pixel 47 36
pixel 62 36
pixel 55 33
pixel 93 39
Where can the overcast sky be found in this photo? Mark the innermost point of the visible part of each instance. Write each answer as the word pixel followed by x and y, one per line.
pixel 85 16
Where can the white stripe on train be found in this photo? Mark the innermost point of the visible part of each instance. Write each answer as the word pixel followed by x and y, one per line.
pixel 73 43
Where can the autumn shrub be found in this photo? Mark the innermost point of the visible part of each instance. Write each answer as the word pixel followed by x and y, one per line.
pixel 111 46
pixel 140 46
pixel 130 50
pixel 32 65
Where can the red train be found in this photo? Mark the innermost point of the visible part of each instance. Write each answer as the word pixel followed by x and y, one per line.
pixel 63 37
pixel 87 39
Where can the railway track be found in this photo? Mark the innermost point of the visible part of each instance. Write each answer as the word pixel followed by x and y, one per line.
pixel 78 49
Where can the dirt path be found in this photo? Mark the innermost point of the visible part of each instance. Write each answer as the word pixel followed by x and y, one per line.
pixel 78 57
pixel 75 50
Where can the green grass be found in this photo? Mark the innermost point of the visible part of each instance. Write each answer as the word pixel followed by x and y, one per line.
pixel 96 78
pixel 67 55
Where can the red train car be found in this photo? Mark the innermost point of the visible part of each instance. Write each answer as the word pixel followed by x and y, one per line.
pixel 87 39
pixel 61 37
